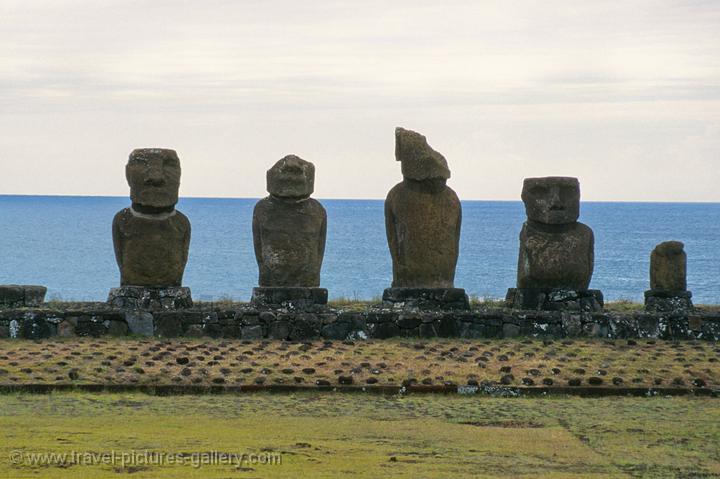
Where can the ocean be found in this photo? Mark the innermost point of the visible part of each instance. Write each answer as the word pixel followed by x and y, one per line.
pixel 65 243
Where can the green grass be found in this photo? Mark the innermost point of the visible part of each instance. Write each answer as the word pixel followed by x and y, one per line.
pixel 337 435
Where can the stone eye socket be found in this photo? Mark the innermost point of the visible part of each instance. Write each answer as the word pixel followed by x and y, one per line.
pixel 567 193
pixel 538 191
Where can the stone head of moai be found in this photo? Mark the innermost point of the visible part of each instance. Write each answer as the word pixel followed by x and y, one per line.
pixel 291 177
pixel 668 267
pixel 154 178
pixel 422 217
pixel 553 200
pixel 419 161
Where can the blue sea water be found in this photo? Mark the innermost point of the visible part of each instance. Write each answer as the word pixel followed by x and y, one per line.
pixel 65 243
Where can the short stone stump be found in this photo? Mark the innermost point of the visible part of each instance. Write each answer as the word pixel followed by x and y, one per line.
pixel 22 296
pixel 667 301
pixel 296 297
pixel 537 299
pixel 426 298
pixel 150 299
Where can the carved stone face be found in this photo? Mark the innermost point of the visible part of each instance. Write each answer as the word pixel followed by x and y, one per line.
pixel 154 177
pixel 291 177
pixel 552 200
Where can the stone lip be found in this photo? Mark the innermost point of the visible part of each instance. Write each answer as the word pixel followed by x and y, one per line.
pixel 297 297
pixel 549 299
pixel 18 295
pixel 482 390
pixel 150 299
pixel 426 298
pixel 419 161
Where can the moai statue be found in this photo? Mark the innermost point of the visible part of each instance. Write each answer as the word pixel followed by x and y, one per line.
pixel 422 221
pixel 151 237
pixel 668 279
pixel 289 231
pixel 556 258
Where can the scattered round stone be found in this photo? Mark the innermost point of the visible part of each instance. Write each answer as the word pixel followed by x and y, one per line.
pixel 287 371
pixel 218 380
pixel 186 372
pixel 322 382
pixel 182 360
pixel 505 369
pixel 699 383
pixel 371 380
pixel 595 381
pixel 74 374
pixel 308 370
pixel 548 381
pixel 345 380
pixel 507 379
pixel 528 382
pixel 575 382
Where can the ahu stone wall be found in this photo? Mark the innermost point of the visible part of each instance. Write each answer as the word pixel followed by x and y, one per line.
pixel 248 322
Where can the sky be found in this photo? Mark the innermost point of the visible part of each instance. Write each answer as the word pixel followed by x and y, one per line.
pixel 624 95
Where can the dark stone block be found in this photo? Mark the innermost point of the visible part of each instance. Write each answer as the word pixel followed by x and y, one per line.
pixel 296 297
pixel 429 329
pixel 168 324
pixel 555 299
pixel 150 299
pixel 94 327
pixel 448 327
pixel 252 332
pixel 117 328
pixel 427 298
pixel 668 301
pixel 140 322
pixel 305 326
pixel 674 327
pixel 648 326
pixel 22 296
pixel 409 321
pixel 34 326
pixel 383 330
pixel 279 330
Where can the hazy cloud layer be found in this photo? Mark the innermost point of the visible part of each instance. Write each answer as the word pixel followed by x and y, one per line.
pixel 625 95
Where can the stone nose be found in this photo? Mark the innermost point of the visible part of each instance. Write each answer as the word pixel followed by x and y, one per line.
pixel 154 175
pixel 556 203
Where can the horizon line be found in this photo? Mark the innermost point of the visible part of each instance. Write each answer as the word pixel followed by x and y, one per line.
pixel 352 199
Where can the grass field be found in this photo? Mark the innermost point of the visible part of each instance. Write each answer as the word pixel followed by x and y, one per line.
pixel 354 435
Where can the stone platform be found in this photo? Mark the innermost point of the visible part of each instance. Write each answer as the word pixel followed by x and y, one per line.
pixel 150 299
pixel 555 299
pixel 668 301
pixel 22 296
pixel 296 297
pixel 426 298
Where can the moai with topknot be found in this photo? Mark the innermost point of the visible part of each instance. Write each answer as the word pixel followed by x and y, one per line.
pixel 289 232
pixel 556 259
pixel 423 217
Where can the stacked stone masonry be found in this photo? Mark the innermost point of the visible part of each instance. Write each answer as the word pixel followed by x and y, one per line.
pixel 245 321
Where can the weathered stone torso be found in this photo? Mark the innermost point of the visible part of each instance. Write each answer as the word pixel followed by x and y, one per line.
pixel 556 256
pixel 151 252
pixel 289 239
pixel 423 220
